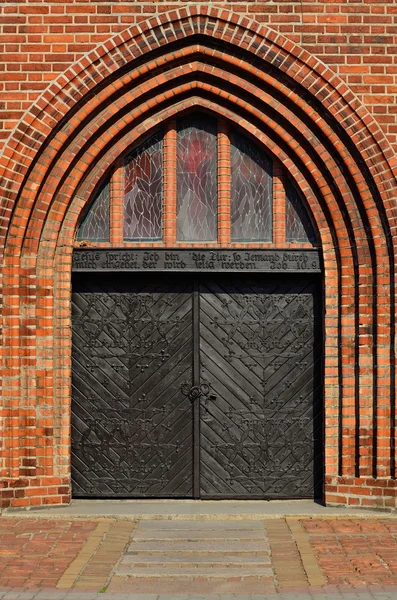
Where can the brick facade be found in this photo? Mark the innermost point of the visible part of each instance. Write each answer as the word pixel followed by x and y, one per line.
pixel 314 82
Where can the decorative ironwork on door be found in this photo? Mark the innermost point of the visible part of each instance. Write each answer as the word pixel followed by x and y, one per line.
pixel 260 350
pixel 185 389
pixel 132 427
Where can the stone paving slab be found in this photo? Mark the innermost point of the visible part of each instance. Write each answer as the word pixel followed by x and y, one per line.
pixel 200 547
pixel 238 572
pixel 196 572
pixel 185 587
pixel 194 509
pixel 194 535
pixel 140 559
pixel 174 525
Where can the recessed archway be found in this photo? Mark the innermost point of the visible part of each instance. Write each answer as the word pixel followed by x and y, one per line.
pixel 304 115
pixel 197 370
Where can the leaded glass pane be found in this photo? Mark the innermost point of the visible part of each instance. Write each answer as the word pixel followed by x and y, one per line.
pixel 251 193
pixel 298 225
pixel 95 225
pixel 197 179
pixel 143 191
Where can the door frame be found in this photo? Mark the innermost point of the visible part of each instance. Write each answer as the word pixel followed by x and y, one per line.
pixel 199 261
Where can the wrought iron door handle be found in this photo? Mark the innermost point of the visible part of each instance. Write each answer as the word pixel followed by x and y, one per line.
pixel 196 392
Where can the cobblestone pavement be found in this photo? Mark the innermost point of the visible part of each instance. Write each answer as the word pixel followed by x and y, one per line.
pixel 265 559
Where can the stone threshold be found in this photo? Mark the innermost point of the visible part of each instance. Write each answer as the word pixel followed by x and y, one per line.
pixel 195 510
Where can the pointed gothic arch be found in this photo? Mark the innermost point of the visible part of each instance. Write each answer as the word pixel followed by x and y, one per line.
pixel 253 208
pixel 298 109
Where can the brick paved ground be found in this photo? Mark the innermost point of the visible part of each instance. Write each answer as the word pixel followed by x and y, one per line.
pixel 355 552
pixel 279 559
pixel 36 552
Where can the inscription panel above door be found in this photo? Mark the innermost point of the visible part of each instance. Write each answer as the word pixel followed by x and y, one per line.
pixel 271 260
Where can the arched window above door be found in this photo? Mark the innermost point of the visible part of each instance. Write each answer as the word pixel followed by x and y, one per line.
pixel 197 181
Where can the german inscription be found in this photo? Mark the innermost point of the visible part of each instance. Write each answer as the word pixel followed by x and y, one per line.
pixel 131 259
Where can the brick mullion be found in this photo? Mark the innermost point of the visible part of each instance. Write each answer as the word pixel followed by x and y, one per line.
pixel 224 183
pixel 279 204
pixel 116 205
pixel 169 195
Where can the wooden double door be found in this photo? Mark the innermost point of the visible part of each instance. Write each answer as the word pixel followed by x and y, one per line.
pixel 196 386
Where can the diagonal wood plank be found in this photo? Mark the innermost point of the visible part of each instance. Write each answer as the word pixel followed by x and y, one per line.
pixel 261 354
pixel 132 351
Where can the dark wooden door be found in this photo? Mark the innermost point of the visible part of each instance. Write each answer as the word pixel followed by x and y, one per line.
pixel 197 387
pixel 132 353
pixel 260 353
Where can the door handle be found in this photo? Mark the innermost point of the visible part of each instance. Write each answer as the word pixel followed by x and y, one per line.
pixel 196 392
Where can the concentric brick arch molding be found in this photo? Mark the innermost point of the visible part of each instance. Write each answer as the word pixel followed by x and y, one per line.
pixel 303 114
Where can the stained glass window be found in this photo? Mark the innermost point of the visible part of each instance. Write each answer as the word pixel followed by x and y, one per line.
pixel 197 179
pixel 95 225
pixel 298 224
pixel 143 182
pixel 251 192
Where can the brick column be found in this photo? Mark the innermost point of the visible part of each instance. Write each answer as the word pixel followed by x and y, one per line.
pixel 279 204
pixel 169 206
pixel 116 205
pixel 224 183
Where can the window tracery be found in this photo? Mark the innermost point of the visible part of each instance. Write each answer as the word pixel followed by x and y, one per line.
pixel 185 203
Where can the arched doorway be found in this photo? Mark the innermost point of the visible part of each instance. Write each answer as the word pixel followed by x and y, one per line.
pixel 197 360
pixel 297 109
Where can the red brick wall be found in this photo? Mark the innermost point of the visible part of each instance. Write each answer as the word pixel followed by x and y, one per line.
pixel 334 134
pixel 356 39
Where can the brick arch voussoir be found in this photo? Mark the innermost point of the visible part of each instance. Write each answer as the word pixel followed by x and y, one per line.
pixel 91 164
pixel 258 39
pixel 49 193
pixel 56 218
pixel 97 169
pixel 30 238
